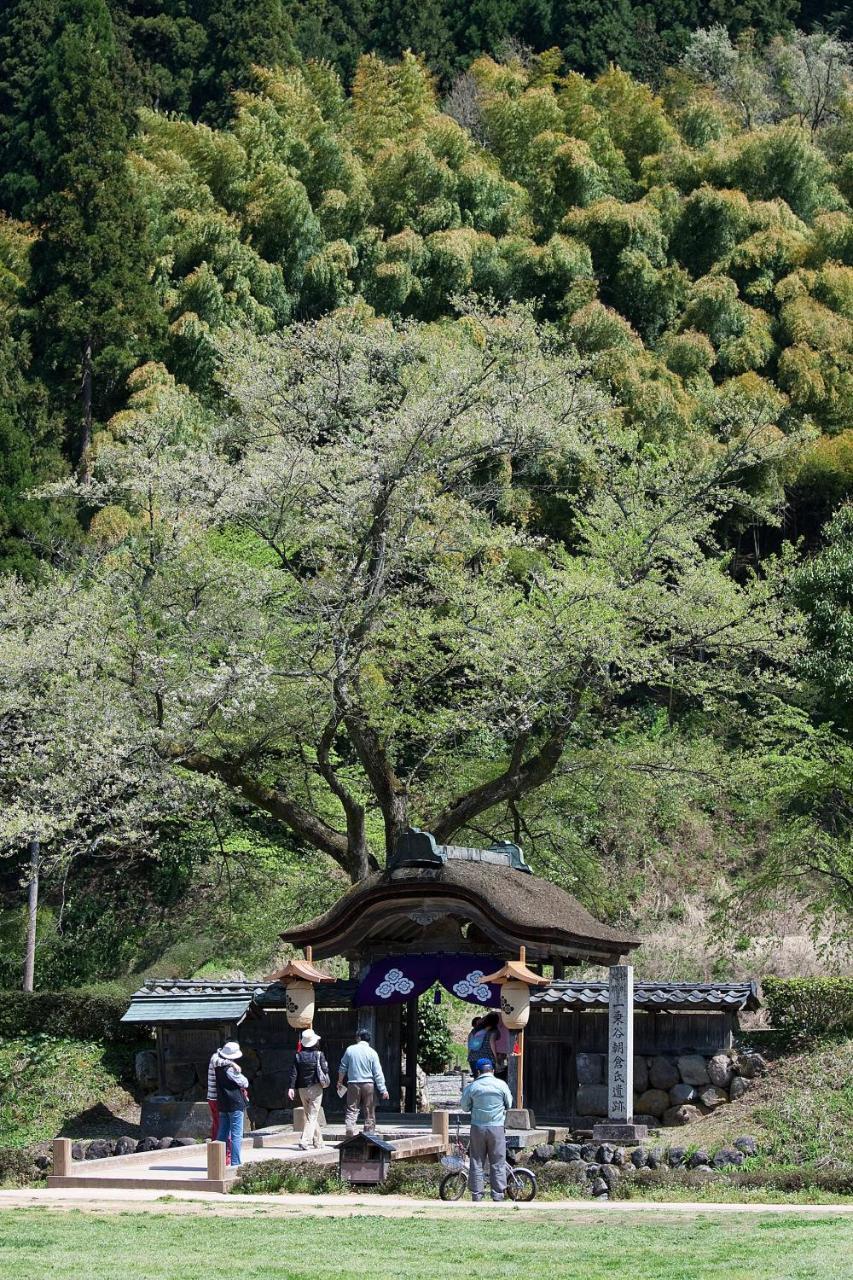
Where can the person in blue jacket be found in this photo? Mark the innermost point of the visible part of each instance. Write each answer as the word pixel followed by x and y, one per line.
pixel 488 1100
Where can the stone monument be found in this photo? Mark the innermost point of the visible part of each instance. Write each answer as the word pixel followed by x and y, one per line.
pixel 620 1126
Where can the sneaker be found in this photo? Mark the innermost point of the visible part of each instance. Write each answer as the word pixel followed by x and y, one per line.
pixel 476 1198
pixel 498 1199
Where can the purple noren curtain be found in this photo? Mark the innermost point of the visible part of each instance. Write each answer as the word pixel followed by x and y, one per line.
pixel 399 978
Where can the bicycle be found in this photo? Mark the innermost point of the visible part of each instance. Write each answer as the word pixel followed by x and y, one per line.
pixel 521 1185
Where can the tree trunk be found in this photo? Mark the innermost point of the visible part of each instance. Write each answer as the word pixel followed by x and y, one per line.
pixel 32 916
pixel 84 469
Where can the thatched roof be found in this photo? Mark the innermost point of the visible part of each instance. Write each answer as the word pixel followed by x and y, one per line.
pixel 507 907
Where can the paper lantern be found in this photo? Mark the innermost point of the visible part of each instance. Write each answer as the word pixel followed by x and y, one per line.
pixel 299 1004
pixel 515 1004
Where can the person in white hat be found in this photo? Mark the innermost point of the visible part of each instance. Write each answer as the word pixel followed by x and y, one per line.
pixel 231 1087
pixel 310 1075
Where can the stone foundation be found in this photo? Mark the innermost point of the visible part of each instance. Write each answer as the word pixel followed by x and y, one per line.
pixel 669 1089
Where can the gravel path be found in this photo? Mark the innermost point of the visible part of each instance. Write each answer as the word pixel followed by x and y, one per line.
pixel 111 1200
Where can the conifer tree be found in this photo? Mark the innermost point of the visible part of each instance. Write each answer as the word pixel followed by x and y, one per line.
pixel 91 306
pixel 241 34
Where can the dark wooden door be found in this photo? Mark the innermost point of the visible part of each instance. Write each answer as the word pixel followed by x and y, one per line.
pixel 550 1079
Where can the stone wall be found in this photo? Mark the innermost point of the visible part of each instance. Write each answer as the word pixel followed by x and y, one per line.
pixel 671 1089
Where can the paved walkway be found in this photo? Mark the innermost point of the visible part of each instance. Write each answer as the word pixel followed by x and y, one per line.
pixel 113 1200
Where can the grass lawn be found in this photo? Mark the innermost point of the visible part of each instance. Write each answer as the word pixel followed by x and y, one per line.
pixel 162 1247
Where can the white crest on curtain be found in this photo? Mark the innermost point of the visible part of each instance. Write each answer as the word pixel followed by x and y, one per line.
pixel 473 985
pixel 394 980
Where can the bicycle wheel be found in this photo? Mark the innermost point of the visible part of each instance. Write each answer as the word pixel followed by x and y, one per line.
pixel 520 1184
pixel 452 1186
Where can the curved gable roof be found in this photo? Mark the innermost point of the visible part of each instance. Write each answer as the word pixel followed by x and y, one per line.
pixel 511 907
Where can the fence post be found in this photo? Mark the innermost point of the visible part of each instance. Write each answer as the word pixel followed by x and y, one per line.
pixel 441 1126
pixel 61 1158
pixel 216 1161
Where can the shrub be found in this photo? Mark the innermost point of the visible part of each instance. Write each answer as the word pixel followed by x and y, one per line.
pixel 65 1013
pixel 17 1167
pixel 791 1178
pixel 266 1177
pixel 435 1041
pixel 804 1010
pixel 412 1178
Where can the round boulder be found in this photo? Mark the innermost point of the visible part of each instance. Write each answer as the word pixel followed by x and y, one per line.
pixel 653 1102
pixel 620 1157
pixel 693 1069
pixel 145 1069
pixel 567 1152
pixel 149 1144
pixel 639 1158
pixel 655 1158
pixel 720 1070
pixel 738 1088
pixel 543 1152
pixel 663 1073
pixel 685 1114
pixel 599 1189
pixel 125 1146
pixel 681 1093
pixel 590 1068
pixel 726 1156
pixel 676 1156
pixel 751 1065
pixel 748 1145
pixel 592 1100
pixel 698 1159
pixel 713 1097
pixel 610 1176
pixel 98 1149
pixel 604 1154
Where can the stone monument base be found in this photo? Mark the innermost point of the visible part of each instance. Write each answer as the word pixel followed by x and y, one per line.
pixel 615 1131
pixel 520 1118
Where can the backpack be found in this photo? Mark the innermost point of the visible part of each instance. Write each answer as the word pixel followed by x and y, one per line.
pixel 322 1076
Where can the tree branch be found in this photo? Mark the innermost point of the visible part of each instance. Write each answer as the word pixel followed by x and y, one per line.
pixel 353 810
pixel 300 820
pixel 518 778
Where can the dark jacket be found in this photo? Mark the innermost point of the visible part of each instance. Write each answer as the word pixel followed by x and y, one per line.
pixel 303 1073
pixel 229 1092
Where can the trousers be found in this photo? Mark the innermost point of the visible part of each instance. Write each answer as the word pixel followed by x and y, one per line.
pixel 488 1142
pixel 311 1099
pixel 361 1097
pixel 231 1129
pixel 214 1126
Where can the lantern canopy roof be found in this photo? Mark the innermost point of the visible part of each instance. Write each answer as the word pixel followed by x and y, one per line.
pixel 450 898
pixel 517 971
pixel 299 970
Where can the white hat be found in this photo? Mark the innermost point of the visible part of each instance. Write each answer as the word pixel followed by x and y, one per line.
pixel 310 1037
pixel 231 1050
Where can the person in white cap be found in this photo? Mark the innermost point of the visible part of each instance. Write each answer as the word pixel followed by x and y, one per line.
pixel 310 1075
pixel 231 1086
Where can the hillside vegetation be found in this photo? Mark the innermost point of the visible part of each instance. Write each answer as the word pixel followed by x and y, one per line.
pixel 463 440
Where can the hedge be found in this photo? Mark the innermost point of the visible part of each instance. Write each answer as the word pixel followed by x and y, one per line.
pixel 65 1013
pixel 803 1010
